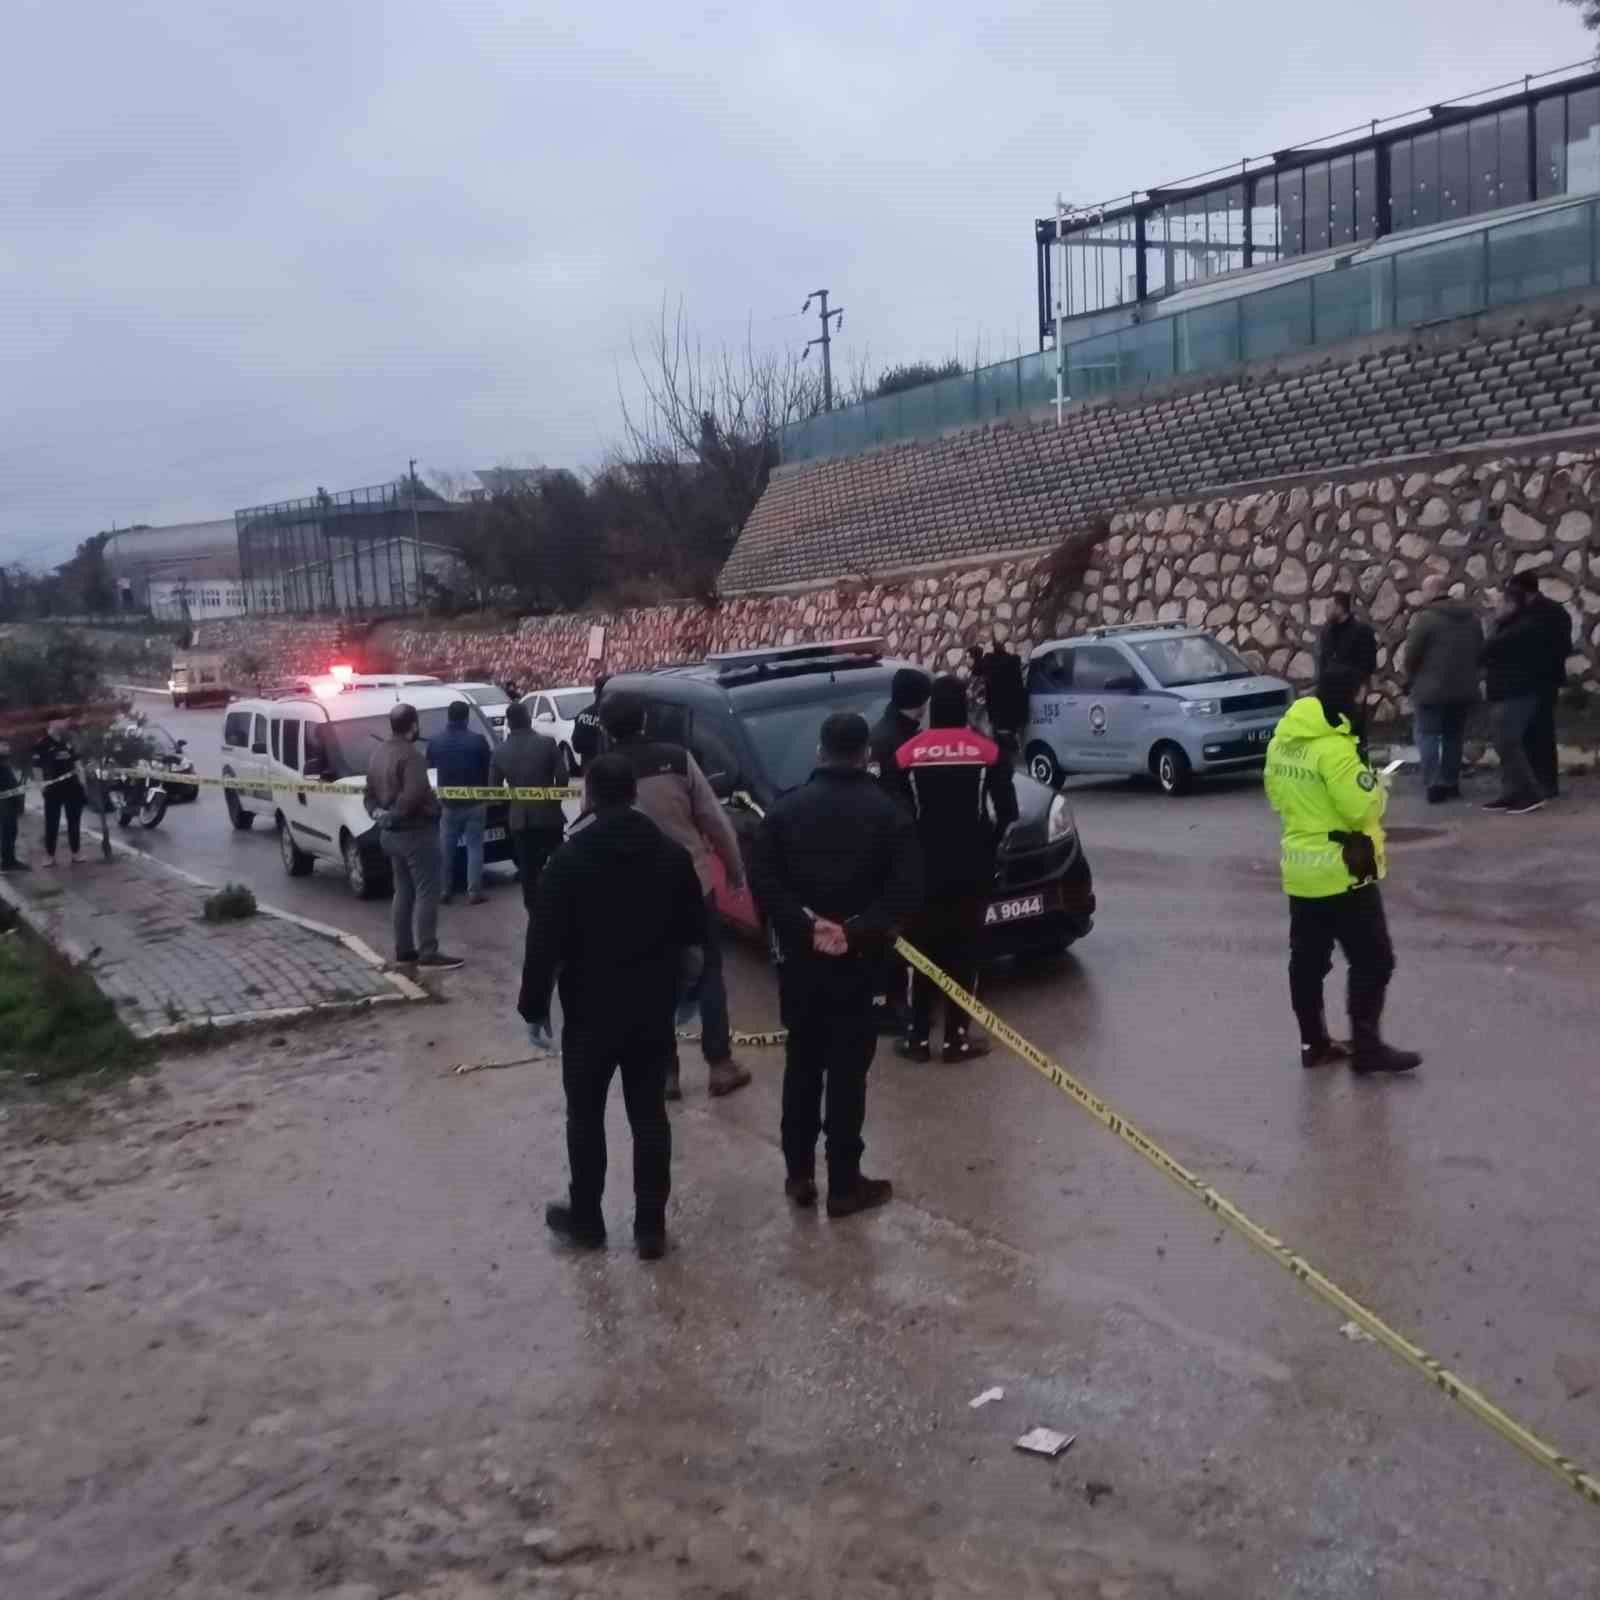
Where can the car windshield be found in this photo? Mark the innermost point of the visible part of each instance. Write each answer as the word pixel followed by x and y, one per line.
pixel 569 705
pixel 785 737
pixel 1191 658
pixel 350 744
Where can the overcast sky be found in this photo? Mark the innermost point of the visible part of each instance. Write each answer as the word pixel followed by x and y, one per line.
pixel 254 246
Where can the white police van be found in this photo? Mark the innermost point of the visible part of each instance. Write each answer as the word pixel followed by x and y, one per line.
pixel 326 740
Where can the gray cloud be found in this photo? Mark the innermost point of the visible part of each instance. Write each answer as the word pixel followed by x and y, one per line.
pixel 252 247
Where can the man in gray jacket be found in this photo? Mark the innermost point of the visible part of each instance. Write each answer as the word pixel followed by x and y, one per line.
pixel 529 760
pixel 674 794
pixel 1443 646
pixel 402 803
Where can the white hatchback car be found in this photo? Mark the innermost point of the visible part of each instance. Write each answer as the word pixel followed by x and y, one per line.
pixel 555 710
pixel 328 740
pixel 490 699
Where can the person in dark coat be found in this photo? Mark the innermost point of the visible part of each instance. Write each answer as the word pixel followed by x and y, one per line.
pixel 619 910
pixel 56 757
pixel 964 799
pixel 1443 646
pixel 588 735
pixel 1516 667
pixel 461 757
pixel 908 703
pixel 1008 697
pixel 10 809
pixel 1347 641
pixel 529 760
pixel 1555 626
pixel 837 870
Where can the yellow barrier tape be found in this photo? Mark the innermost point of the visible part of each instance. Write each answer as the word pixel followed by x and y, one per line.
pixel 23 788
pixel 1456 1388
pixel 192 780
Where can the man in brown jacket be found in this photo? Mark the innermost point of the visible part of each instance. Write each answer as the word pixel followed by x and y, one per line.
pixel 406 811
pixel 674 794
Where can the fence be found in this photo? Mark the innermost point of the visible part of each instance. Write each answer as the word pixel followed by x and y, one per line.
pixel 1481 270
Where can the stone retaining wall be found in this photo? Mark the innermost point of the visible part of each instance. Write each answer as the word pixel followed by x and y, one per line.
pixel 1257 566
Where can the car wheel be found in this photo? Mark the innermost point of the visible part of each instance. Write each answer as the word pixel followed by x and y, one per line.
pixel 295 861
pixel 1043 766
pixel 241 819
pixel 1172 770
pixel 363 869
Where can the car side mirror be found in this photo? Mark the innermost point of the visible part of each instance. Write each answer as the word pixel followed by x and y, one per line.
pixel 258 749
pixel 721 785
pixel 1125 683
pixel 182 744
pixel 545 716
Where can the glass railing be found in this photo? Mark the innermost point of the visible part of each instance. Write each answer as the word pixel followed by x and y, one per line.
pixel 1479 271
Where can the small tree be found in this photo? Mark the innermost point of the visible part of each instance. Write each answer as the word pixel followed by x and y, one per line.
pixel 913 374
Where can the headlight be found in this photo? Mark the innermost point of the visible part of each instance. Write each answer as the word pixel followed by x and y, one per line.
pixel 1061 824
pixel 1202 708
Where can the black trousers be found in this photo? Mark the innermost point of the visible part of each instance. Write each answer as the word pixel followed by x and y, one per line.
pixel 1540 743
pixel 588 1063
pixel 8 834
pixel 949 931
pixel 827 1008
pixel 1355 922
pixel 531 848
pixel 58 798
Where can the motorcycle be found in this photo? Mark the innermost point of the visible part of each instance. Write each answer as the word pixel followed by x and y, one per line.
pixel 138 799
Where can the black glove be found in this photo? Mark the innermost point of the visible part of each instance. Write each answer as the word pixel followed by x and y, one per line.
pixel 1360 856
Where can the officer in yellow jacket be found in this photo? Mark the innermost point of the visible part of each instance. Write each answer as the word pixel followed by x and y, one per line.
pixel 1332 805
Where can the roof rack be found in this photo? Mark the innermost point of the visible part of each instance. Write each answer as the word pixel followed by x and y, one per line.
pixel 785 655
pixel 1110 629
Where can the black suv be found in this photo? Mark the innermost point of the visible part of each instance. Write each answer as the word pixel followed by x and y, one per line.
pixel 751 720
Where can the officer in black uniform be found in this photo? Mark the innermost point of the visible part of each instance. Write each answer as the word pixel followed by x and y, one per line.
pixel 964 799
pixel 588 736
pixel 836 868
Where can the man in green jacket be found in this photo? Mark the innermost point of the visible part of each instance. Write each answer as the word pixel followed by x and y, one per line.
pixel 1332 805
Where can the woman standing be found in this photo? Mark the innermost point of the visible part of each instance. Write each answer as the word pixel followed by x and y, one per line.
pixel 57 760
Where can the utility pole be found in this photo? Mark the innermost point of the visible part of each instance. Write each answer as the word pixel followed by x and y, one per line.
pixel 825 340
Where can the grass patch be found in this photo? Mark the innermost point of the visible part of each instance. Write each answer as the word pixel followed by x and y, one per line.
pixel 54 1022
pixel 233 902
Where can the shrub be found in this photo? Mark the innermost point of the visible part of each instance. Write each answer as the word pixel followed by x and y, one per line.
pixel 233 902
pixel 54 1021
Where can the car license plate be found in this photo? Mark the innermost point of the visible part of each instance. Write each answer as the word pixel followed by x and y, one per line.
pixel 493 835
pixel 1259 736
pixel 1023 906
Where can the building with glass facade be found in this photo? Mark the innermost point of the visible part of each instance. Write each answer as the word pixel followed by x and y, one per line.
pixel 1467 158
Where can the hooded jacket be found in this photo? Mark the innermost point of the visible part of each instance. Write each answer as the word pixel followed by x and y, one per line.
pixel 1443 646
pixel 618 903
pixel 1318 784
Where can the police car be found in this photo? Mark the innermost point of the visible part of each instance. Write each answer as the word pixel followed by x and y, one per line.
pixel 751 720
pixel 1161 699
pixel 323 744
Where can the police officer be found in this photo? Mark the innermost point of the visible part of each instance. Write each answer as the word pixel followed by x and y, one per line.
pixel 1332 807
pixel 588 736
pixel 964 799
pixel 902 718
pixel 56 757
pixel 836 868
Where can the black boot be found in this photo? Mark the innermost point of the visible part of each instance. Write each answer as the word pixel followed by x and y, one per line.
pixel 1316 1048
pixel 1368 1051
pixel 582 1233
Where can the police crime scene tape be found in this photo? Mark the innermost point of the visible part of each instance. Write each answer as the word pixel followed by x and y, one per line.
pixel 192 780
pixel 1448 1382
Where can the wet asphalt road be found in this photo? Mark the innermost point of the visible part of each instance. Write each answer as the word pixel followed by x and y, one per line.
pixel 1460 1204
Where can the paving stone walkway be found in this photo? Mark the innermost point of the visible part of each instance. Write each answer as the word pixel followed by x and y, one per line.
pixel 141 931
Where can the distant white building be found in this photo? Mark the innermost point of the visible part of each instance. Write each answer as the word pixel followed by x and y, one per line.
pixel 182 572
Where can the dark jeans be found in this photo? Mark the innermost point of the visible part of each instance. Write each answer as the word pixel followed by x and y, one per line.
pixel 948 930
pixel 715 1044
pixel 1540 744
pixel 1512 720
pixel 588 1063
pixel 1440 731
pixel 1355 922
pixel 58 798
pixel 8 834
pixel 462 824
pixel 827 1008
pixel 532 847
pixel 418 869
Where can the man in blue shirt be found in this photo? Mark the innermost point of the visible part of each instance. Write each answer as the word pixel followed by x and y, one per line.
pixel 460 758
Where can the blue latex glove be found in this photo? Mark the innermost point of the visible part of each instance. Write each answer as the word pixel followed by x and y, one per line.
pixel 540 1038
